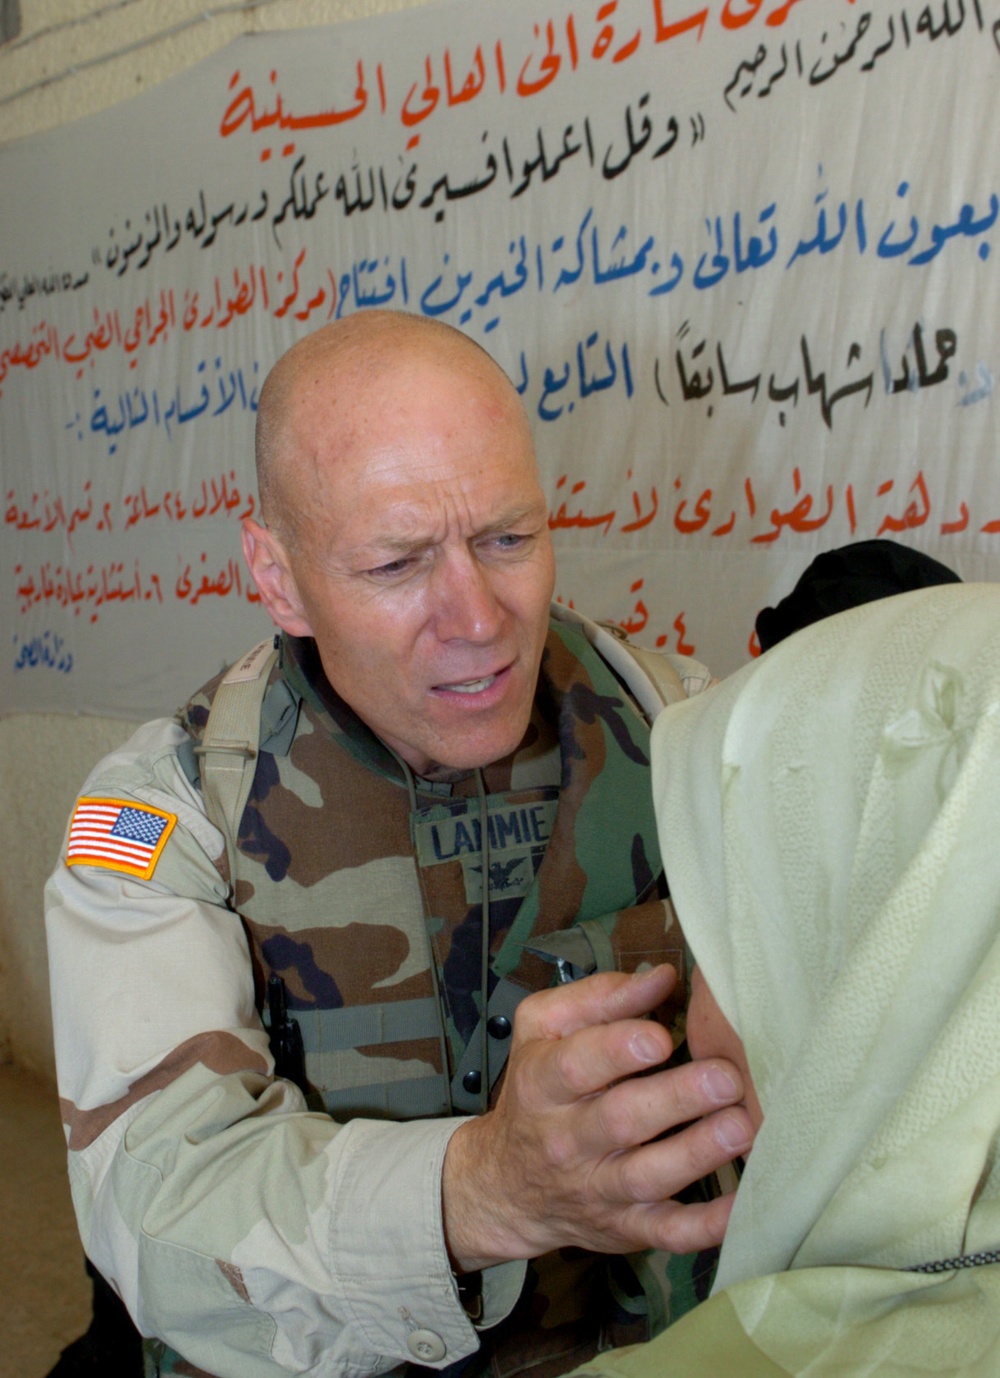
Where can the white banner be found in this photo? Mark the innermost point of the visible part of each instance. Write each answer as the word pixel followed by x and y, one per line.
pixel 740 258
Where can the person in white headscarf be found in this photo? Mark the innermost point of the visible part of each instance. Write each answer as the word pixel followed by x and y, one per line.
pixel 830 824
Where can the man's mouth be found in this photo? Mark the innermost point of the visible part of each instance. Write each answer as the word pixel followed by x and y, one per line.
pixel 468 686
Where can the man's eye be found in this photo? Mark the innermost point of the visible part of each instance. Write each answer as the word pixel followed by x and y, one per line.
pixel 510 540
pixel 391 570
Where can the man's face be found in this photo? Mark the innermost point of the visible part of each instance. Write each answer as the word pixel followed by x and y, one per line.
pixel 424 565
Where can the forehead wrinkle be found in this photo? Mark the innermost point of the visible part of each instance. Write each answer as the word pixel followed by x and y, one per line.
pixel 332 404
pixel 360 353
pixel 387 545
pixel 407 545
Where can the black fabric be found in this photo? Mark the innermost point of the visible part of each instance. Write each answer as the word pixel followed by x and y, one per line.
pixel 845 578
pixel 110 1345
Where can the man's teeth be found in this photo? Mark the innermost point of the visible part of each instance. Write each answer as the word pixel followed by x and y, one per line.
pixel 471 686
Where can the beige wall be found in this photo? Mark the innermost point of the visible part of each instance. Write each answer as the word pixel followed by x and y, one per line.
pixel 43 760
pixel 75 57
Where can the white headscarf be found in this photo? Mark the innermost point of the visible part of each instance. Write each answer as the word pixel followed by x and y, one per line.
pixel 830 826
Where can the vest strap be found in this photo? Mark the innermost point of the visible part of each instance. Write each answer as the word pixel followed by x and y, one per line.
pixel 651 678
pixel 415 1098
pixel 227 752
pixel 227 758
pixel 604 953
pixel 361 1026
pixel 506 997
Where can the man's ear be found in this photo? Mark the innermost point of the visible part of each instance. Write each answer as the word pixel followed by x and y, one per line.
pixel 268 563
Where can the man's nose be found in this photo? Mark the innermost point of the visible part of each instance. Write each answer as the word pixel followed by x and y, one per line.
pixel 466 607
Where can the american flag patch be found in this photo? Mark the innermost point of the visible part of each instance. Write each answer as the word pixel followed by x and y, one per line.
pixel 119 835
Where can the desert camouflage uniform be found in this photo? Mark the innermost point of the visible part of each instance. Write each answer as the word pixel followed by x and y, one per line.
pixel 241 1223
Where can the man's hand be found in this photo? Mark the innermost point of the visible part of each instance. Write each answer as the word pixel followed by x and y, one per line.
pixel 566 1156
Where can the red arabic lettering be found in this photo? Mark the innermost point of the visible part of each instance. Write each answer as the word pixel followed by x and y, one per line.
pixel 640 519
pixel 684 648
pixel 751 500
pixel 501 71
pixel 916 512
pixel 665 31
pixel 688 525
pixel 777 17
pixel 91 588
pixel 960 523
pixel 550 62
pixel 606 36
pixel 560 520
pixel 797 517
pixel 473 83
pixel 243 107
pixel 731 20
pixel 430 96
pixel 639 616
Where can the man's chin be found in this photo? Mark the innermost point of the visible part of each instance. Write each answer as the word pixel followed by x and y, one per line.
pixel 476 749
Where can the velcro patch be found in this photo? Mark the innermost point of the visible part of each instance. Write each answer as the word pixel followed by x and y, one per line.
pixel 517 835
pixel 118 835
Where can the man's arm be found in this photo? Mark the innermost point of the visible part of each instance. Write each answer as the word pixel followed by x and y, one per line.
pixel 257 1237
pixel 252 1235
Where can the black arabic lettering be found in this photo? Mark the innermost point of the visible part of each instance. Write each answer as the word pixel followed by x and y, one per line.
pixel 816 383
pixel 611 167
pixel 818 76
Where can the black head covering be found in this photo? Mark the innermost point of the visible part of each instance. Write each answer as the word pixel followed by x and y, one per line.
pixel 844 578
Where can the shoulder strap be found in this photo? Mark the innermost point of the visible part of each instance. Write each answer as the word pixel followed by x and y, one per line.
pixel 652 676
pixel 657 669
pixel 227 753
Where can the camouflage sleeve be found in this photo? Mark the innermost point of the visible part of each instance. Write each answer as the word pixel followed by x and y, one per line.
pixel 253 1236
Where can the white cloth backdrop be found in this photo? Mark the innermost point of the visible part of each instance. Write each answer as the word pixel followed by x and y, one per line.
pixel 741 257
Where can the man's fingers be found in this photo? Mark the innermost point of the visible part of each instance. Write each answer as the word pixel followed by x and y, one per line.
pixel 576 1150
pixel 678 1229
pixel 657 1171
pixel 565 1070
pixel 602 999
pixel 640 1109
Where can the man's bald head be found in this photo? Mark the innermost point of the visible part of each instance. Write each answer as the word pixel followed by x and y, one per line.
pixel 328 387
pixel 407 533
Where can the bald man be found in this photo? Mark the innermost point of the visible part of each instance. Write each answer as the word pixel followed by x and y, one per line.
pixel 348 875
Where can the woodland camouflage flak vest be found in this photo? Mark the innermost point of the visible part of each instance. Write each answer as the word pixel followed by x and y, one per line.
pixel 361 891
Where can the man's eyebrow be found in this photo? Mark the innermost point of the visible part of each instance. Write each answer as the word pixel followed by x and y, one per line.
pixel 534 511
pixel 384 549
